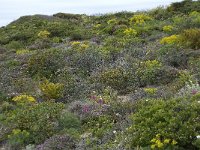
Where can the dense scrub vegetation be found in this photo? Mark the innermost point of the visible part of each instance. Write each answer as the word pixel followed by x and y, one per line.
pixel 128 80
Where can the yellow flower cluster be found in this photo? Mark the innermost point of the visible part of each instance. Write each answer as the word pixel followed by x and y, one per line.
pixel 75 43
pixel 112 21
pixel 51 90
pixel 22 51
pixel 168 28
pixel 150 91
pixel 130 32
pixel 152 64
pixel 79 46
pixel 84 46
pixel 140 19
pixel 44 34
pixel 97 25
pixel 160 144
pixel 24 99
pixel 170 39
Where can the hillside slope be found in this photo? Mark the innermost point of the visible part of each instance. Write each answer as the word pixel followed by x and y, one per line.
pixel 128 80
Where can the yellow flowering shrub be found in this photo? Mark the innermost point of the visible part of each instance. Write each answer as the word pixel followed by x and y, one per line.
pixel 44 34
pixel 168 28
pixel 75 43
pixel 165 123
pixel 84 46
pixel 162 143
pixel 22 51
pixel 170 39
pixel 130 32
pixel 150 64
pixel 140 19
pixel 97 25
pixel 24 99
pixel 112 21
pixel 150 91
pixel 51 90
pixel 79 46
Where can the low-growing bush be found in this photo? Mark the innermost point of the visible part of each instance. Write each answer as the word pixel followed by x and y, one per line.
pixel 39 120
pixel 190 38
pixel 116 78
pixel 168 28
pixel 22 51
pixel 170 40
pixel 99 126
pixel 140 19
pixel 130 32
pixel 175 119
pixel 14 45
pixel 51 91
pixel 18 138
pixel 69 121
pixel 44 34
pixel 148 71
pixel 45 64
pixel 24 99
pixel 173 56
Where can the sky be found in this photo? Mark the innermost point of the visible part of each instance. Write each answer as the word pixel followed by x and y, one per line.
pixel 11 10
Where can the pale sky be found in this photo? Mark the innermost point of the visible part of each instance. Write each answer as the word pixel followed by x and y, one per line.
pixel 11 10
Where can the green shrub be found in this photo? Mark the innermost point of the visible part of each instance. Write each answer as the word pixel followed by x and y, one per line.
pixel 85 61
pixel 6 106
pixel 45 63
pixel 160 13
pixel 18 138
pixel 148 71
pixel 99 126
pixel 57 40
pixel 68 16
pixel 112 47
pixel 185 6
pixel 194 66
pixel 14 45
pixel 12 63
pixel 69 121
pixel 173 56
pixel 190 38
pixel 176 119
pixel 79 34
pixel 38 120
pixel 115 78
